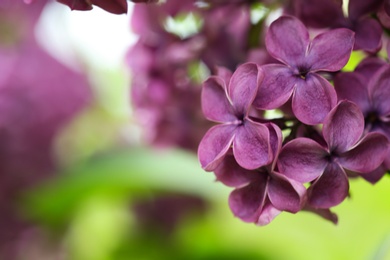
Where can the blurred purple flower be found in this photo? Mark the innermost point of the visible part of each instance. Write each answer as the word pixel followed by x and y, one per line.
pixel 312 95
pixel 165 96
pixel 260 194
pixel 324 213
pixel 229 103
pixel 164 213
pixel 166 100
pixel 148 20
pixel 226 33
pixel 368 87
pixel 329 13
pixel 371 93
pixel 305 160
pixel 38 97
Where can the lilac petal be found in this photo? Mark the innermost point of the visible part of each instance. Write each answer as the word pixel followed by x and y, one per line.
pixel 387 7
pixel 375 175
pixel 383 17
pixel 383 128
pixel 233 175
pixel 276 87
pixel 268 213
pixel 214 145
pixel 358 8
pixel 215 104
pixel 368 67
pixel 343 127
pixel 318 13
pixel 115 7
pixel 287 40
pixel 386 162
pixel 380 91
pixel 247 202
pixel 302 159
pixel 225 74
pixel 276 139
pixel 351 86
pixel 368 35
pixel 367 155
pixel 77 5
pixel 325 213
pixel 251 145
pixel 330 51
pixel 312 99
pixel 286 194
pixel 330 189
pixel 243 87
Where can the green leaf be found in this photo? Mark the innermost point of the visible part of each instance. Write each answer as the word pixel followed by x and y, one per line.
pixel 123 174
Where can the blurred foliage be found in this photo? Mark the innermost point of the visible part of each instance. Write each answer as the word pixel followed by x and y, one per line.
pixel 354 60
pixel 93 201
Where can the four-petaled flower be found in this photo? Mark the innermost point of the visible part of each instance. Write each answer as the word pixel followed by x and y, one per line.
pixel 368 87
pixel 261 194
pixel 312 95
pixel 371 93
pixel 228 101
pixel 305 160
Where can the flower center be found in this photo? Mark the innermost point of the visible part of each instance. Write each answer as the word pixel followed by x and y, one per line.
pixel 332 156
pixel 372 120
pixel 240 119
pixel 302 72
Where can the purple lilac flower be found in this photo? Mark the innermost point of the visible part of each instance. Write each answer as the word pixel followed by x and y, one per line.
pixel 148 20
pixel 261 194
pixel 368 87
pixel 316 13
pixel 229 103
pixel 305 160
pixel 312 95
pixel 326 13
pixel 165 98
pixel 358 86
pixel 226 32
pixel 163 93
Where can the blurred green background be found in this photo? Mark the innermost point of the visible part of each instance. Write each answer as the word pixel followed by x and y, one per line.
pixel 90 206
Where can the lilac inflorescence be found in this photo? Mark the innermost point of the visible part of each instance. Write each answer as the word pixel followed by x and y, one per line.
pixel 283 123
pixel 333 132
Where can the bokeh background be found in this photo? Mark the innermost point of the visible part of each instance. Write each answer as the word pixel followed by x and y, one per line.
pixel 79 180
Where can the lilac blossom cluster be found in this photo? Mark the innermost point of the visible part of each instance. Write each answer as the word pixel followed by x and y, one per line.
pixel 331 132
pixel 165 89
pixel 329 125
